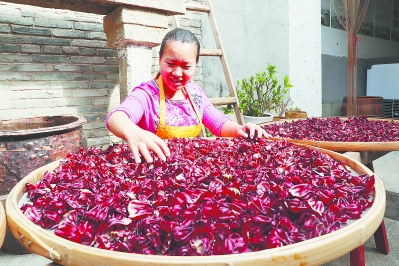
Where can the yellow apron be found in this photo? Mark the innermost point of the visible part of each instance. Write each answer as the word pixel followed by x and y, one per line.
pixel 168 132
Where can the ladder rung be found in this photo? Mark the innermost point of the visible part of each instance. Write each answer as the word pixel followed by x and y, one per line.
pixel 197 8
pixel 223 100
pixel 211 52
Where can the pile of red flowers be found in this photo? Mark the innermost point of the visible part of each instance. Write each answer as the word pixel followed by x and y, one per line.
pixel 210 197
pixel 354 129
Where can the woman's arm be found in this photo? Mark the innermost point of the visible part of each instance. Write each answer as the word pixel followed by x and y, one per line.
pixel 124 123
pixel 120 125
pixel 220 125
pixel 230 129
pixel 139 140
pixel 233 129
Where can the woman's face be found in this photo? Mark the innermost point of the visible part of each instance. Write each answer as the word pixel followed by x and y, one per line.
pixel 177 64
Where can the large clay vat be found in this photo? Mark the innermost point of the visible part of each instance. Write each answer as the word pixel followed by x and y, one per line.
pixel 366 105
pixel 29 143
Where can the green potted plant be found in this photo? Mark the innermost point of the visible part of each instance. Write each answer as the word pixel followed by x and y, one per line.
pixel 261 94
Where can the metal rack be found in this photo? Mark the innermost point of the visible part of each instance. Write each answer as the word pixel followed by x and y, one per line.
pixel 391 108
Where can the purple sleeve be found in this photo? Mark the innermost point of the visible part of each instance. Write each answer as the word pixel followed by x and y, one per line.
pixel 213 119
pixel 132 106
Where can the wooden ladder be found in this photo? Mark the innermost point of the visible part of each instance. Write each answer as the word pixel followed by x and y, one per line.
pixel 219 52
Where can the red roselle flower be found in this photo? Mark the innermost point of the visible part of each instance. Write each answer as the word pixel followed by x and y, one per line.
pixel 210 197
pixel 354 129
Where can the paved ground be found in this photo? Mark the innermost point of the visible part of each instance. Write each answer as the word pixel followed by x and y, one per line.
pixel 386 168
pixel 372 256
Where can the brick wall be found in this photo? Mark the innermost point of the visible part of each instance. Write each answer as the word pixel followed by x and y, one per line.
pixel 56 62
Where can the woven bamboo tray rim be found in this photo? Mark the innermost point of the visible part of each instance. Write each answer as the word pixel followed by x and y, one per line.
pixel 310 252
pixel 3 224
pixel 341 145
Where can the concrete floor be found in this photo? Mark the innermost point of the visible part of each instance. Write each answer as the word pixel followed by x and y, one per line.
pixel 386 168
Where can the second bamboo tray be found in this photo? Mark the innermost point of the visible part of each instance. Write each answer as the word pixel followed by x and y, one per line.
pixel 314 251
pixel 344 146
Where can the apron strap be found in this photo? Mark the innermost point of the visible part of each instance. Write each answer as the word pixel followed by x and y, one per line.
pixel 162 117
pixel 161 102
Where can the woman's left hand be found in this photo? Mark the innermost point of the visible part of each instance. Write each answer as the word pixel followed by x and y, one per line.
pixel 252 130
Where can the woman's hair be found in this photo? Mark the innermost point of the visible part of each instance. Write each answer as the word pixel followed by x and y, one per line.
pixel 181 35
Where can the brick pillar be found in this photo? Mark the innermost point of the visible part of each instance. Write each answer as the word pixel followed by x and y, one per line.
pixel 134 67
pixel 134 31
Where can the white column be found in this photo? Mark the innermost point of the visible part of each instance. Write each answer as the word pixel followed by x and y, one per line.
pixel 305 55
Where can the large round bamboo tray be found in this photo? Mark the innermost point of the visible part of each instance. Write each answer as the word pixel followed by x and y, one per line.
pixel 346 146
pixel 3 224
pixel 315 251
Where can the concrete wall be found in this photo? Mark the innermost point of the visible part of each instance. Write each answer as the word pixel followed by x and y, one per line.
pixel 304 55
pixel 335 82
pixel 335 43
pixel 253 36
pixel 268 32
pixel 335 65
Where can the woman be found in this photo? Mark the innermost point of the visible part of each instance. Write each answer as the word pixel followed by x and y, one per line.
pixel 170 105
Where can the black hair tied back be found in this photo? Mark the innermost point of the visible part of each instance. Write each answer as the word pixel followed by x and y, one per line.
pixel 181 35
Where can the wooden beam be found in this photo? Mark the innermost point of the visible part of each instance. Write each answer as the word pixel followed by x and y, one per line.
pixel 197 8
pixel 211 52
pixel 223 101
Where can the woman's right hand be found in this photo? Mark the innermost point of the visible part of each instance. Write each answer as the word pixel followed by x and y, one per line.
pixel 140 141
